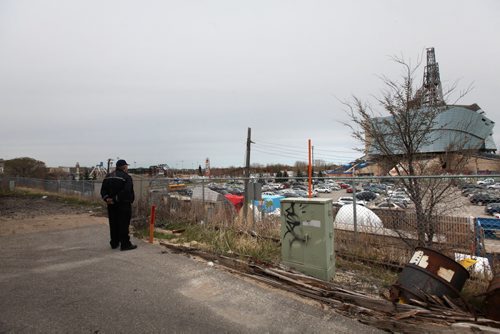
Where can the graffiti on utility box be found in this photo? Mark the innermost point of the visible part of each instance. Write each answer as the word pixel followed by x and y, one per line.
pixel 292 220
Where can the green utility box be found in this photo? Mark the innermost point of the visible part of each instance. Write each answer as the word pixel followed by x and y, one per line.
pixel 307 236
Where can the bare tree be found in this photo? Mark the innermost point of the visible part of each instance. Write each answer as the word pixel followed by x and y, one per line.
pixel 396 138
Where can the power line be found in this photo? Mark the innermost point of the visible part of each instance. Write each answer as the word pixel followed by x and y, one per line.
pixel 281 149
pixel 293 153
pixel 300 153
pixel 335 151
pixel 300 158
pixel 300 148
pixel 278 154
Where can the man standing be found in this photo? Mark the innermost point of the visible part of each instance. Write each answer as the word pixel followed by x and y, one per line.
pixel 118 192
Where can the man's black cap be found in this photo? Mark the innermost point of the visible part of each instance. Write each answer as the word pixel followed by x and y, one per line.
pixel 121 163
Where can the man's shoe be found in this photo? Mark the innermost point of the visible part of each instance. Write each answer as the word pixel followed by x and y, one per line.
pixel 128 247
pixel 114 246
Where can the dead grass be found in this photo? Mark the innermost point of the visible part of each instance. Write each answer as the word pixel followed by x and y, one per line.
pixel 218 229
pixel 65 198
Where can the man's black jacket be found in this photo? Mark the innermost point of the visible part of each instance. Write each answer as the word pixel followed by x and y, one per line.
pixel 119 186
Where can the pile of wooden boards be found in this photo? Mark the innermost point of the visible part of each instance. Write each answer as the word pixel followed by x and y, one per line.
pixel 377 312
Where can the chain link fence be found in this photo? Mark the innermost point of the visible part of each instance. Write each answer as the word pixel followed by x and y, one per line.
pixel 382 226
pixel 89 189
pixel 374 218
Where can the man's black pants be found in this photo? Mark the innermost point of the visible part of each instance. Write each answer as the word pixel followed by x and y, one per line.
pixel 119 221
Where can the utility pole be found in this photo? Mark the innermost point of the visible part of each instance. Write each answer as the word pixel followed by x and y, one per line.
pixel 247 174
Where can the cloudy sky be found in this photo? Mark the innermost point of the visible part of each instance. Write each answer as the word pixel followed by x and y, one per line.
pixel 178 81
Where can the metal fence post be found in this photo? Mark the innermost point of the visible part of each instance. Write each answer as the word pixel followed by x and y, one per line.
pixel 142 190
pixel 253 205
pixel 354 214
pixel 203 197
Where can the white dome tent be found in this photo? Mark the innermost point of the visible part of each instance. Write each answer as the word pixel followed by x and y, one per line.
pixel 367 220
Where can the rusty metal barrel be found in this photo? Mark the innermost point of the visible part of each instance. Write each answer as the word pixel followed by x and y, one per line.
pixel 492 299
pixel 429 273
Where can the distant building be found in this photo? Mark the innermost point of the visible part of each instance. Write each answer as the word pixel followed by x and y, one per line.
pixel 458 130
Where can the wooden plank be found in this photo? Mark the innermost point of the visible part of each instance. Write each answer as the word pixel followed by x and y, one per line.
pixel 377 312
pixel 408 314
pixel 451 304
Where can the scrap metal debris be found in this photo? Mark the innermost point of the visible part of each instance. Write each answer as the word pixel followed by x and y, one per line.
pixel 431 277
pixel 425 316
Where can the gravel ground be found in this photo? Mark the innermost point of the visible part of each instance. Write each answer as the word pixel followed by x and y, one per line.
pixel 28 214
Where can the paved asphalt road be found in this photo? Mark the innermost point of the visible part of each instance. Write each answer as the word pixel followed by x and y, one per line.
pixel 70 281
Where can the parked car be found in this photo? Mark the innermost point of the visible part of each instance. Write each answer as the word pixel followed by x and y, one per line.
pixel 493 186
pixel 333 186
pixel 374 188
pixel 389 205
pixel 478 192
pixel 470 190
pixel 486 182
pixel 284 191
pixel 323 190
pixel 366 196
pixel 469 185
pixel 351 190
pixel 343 185
pixel 399 198
pixel 268 193
pixel 349 200
pixel 484 198
pixel 492 208
pixel 236 191
pixel 397 191
pixel 301 193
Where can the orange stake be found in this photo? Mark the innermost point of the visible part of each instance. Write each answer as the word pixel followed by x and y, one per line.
pixel 152 224
pixel 309 170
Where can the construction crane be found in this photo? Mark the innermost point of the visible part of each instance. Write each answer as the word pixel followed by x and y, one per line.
pixel 432 90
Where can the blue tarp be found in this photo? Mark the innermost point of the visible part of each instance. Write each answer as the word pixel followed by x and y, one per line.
pixel 487 228
pixel 490 226
pixel 269 203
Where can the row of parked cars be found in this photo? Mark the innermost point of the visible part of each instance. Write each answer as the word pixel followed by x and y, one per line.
pixel 481 193
pixel 233 188
pixel 484 192
pixel 377 195
pixel 391 197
